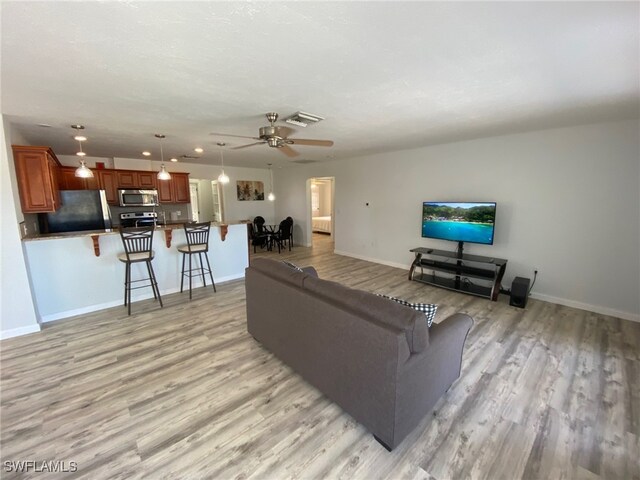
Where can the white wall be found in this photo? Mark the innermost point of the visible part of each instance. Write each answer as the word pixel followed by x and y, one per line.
pixel 568 206
pixel 325 199
pixel 17 311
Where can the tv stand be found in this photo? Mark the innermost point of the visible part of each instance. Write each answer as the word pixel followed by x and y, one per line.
pixel 472 274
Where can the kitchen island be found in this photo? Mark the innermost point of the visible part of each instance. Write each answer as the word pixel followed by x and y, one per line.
pixel 69 277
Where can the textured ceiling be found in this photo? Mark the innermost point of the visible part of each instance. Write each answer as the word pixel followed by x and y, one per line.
pixel 385 75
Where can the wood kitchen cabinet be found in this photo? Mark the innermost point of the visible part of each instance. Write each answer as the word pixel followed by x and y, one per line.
pixel 108 181
pixel 136 179
pixel 147 179
pixel 175 190
pixel 67 180
pixel 37 172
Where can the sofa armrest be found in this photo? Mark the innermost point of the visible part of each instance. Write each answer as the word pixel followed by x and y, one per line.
pixel 311 271
pixel 427 375
pixel 448 337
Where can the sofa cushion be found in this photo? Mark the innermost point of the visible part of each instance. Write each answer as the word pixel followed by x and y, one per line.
pixel 375 308
pixel 429 309
pixel 279 271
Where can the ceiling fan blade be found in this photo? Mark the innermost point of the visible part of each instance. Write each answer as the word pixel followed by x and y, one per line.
pixel 288 151
pixel 312 143
pixel 229 135
pixel 245 146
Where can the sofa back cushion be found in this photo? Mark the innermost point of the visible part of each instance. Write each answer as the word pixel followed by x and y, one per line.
pixel 374 308
pixel 279 271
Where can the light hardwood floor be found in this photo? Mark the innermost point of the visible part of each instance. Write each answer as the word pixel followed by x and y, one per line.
pixel 185 392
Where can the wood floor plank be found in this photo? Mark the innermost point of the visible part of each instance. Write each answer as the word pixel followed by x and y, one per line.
pixel 185 392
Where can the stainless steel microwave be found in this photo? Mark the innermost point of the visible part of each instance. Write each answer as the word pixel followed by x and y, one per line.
pixel 138 198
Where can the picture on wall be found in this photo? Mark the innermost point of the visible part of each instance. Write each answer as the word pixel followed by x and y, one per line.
pixel 250 190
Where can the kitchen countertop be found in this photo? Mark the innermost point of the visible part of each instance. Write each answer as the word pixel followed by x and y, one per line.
pixel 171 225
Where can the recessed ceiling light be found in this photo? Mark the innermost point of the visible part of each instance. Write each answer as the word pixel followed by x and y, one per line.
pixel 45 125
pixel 81 154
pixel 174 159
pixel 198 150
pixel 146 154
pixel 80 138
pixel 78 127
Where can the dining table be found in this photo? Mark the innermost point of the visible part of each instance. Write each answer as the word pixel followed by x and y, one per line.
pixel 271 230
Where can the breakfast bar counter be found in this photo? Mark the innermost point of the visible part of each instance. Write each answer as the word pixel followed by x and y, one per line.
pixel 70 275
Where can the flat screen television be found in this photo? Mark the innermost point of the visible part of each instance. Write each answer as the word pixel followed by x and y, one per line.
pixel 459 221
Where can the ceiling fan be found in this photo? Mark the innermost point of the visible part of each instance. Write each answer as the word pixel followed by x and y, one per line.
pixel 276 137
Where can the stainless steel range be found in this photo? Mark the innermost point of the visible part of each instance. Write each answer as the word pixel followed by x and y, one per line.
pixel 138 219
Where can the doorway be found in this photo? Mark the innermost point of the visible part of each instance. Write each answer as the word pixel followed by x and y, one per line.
pixel 321 214
pixel 195 201
pixel 217 201
pixel 207 203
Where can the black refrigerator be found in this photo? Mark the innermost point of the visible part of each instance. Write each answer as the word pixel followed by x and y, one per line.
pixel 80 210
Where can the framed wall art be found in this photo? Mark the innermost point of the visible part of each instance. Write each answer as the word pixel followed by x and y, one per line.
pixel 250 190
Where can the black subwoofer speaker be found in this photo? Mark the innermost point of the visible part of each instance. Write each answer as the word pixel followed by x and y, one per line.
pixel 519 292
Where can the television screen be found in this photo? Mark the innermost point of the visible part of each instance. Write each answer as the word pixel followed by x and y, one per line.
pixel 459 222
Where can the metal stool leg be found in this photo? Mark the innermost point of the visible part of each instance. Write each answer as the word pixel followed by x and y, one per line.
pixel 154 284
pixel 206 256
pixel 128 288
pixel 204 281
pixel 126 281
pixel 190 276
pixel 182 276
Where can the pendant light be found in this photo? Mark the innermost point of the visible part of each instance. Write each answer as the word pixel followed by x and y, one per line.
pixel 271 197
pixel 162 174
pixel 82 171
pixel 223 177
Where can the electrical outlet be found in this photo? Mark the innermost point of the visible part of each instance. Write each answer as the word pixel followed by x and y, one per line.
pixel 178 213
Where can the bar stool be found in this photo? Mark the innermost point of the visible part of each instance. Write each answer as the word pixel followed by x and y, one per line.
pixel 197 235
pixel 137 243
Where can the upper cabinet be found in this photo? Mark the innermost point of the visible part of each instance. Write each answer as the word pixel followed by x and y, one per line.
pixel 68 180
pixel 40 178
pixel 136 179
pixel 37 172
pixel 175 190
pixel 108 181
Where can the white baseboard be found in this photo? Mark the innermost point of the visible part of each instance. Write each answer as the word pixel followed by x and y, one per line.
pixel 373 260
pixel 586 306
pixel 147 295
pixel 16 332
pixel 547 298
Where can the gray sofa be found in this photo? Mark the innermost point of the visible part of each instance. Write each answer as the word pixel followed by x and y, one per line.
pixel 372 356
